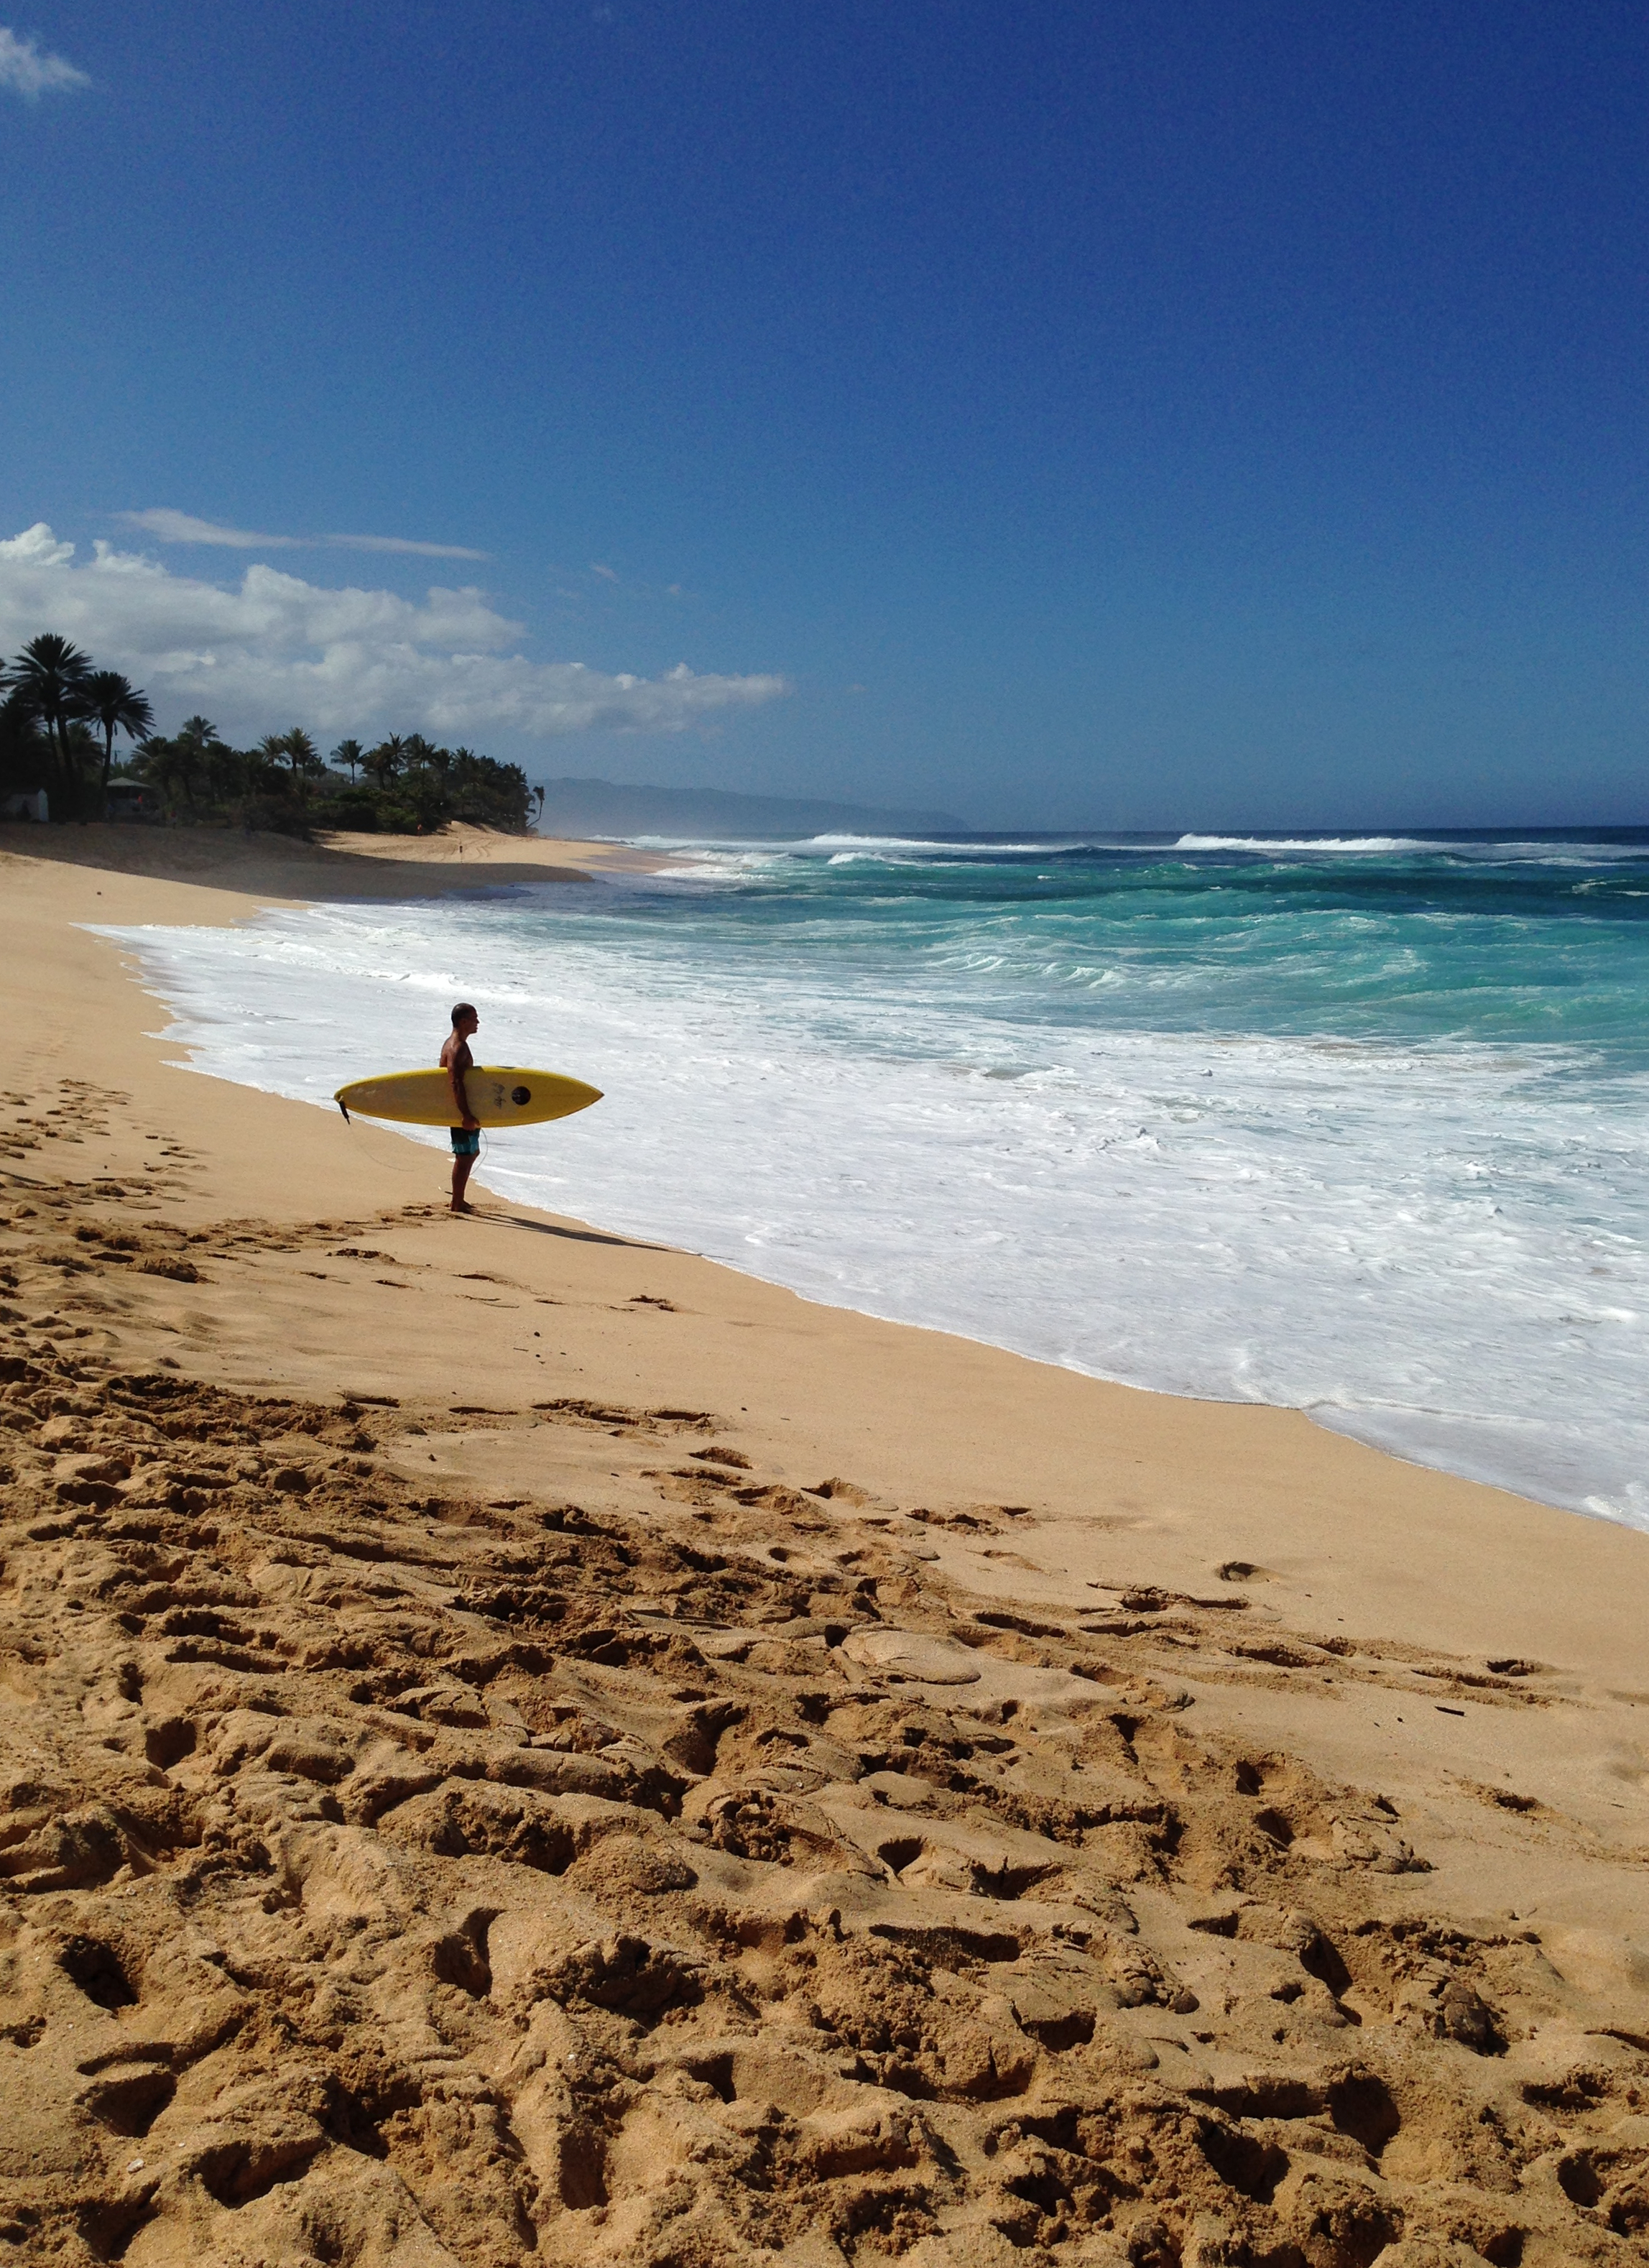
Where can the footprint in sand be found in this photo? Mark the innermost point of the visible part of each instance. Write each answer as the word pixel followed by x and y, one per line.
pixel 929 1660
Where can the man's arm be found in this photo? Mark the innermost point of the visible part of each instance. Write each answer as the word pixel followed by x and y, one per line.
pixel 459 1062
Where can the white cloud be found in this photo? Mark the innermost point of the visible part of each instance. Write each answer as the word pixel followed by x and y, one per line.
pixel 183 527
pixel 274 648
pixel 404 544
pixel 31 74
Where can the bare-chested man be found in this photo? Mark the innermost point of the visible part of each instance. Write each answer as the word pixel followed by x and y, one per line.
pixel 456 1060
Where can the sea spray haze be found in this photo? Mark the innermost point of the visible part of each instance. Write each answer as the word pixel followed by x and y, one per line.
pixel 1358 1125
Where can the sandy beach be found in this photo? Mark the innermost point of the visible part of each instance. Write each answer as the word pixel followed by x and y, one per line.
pixel 522 1745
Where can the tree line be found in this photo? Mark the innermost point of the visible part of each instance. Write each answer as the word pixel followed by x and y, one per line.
pixel 60 717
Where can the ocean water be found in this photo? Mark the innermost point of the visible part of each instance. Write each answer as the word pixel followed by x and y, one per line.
pixel 1358 1125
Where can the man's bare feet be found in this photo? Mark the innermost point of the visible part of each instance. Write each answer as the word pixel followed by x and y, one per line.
pixel 458 1205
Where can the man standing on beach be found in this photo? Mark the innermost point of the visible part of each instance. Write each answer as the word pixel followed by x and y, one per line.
pixel 456 1060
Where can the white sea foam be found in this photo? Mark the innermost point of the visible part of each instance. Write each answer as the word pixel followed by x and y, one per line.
pixel 695 855
pixel 1439 1248
pixel 710 862
pixel 1386 844
pixel 971 847
pixel 1499 851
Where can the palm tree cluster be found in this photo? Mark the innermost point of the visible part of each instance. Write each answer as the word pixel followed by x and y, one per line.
pixel 59 717
pixel 55 709
pixel 404 785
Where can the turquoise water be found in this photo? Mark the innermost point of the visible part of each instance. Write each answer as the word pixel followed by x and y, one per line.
pixel 1357 1125
pixel 1473 940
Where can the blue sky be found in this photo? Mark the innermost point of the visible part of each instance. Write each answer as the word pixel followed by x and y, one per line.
pixel 1157 414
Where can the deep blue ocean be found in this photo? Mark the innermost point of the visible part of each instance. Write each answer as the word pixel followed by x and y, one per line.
pixel 1359 1125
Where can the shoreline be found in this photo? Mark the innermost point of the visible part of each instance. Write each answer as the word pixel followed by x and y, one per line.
pixel 401 869
pixel 1560 1461
pixel 1234 1577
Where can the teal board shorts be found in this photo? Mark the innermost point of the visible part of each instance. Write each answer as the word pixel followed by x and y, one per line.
pixel 465 1141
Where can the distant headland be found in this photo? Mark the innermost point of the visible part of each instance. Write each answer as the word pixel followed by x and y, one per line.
pixel 584 808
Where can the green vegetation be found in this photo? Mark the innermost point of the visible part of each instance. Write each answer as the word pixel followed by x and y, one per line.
pixel 53 697
pixel 59 717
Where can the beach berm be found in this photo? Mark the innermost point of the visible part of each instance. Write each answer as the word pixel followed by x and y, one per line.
pixel 517 1745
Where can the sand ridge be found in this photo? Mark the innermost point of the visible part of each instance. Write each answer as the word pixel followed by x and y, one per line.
pixel 333 864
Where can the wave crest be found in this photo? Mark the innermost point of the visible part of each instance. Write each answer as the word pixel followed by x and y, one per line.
pixel 1374 843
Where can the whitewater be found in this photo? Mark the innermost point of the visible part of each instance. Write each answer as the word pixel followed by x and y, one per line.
pixel 1355 1125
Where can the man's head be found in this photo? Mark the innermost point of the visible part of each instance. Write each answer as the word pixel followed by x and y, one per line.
pixel 464 1021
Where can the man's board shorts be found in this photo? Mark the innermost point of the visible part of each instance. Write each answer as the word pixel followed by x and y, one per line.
pixel 466 1141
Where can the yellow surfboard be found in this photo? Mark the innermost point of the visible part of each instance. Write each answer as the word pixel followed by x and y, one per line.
pixel 498 1096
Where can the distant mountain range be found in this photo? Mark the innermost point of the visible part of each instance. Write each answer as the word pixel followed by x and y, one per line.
pixel 593 806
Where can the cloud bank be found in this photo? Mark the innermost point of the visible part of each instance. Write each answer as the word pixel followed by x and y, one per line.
pixel 27 72
pixel 182 527
pixel 275 649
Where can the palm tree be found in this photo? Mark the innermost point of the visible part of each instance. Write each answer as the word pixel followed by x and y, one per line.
pixel 49 673
pixel 25 758
pixel 193 759
pixel 424 775
pixel 348 753
pixel 108 700
pixel 225 769
pixel 198 737
pixel 301 752
pixel 384 761
pixel 166 767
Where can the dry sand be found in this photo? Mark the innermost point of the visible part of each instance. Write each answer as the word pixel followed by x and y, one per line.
pixel 517 1745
